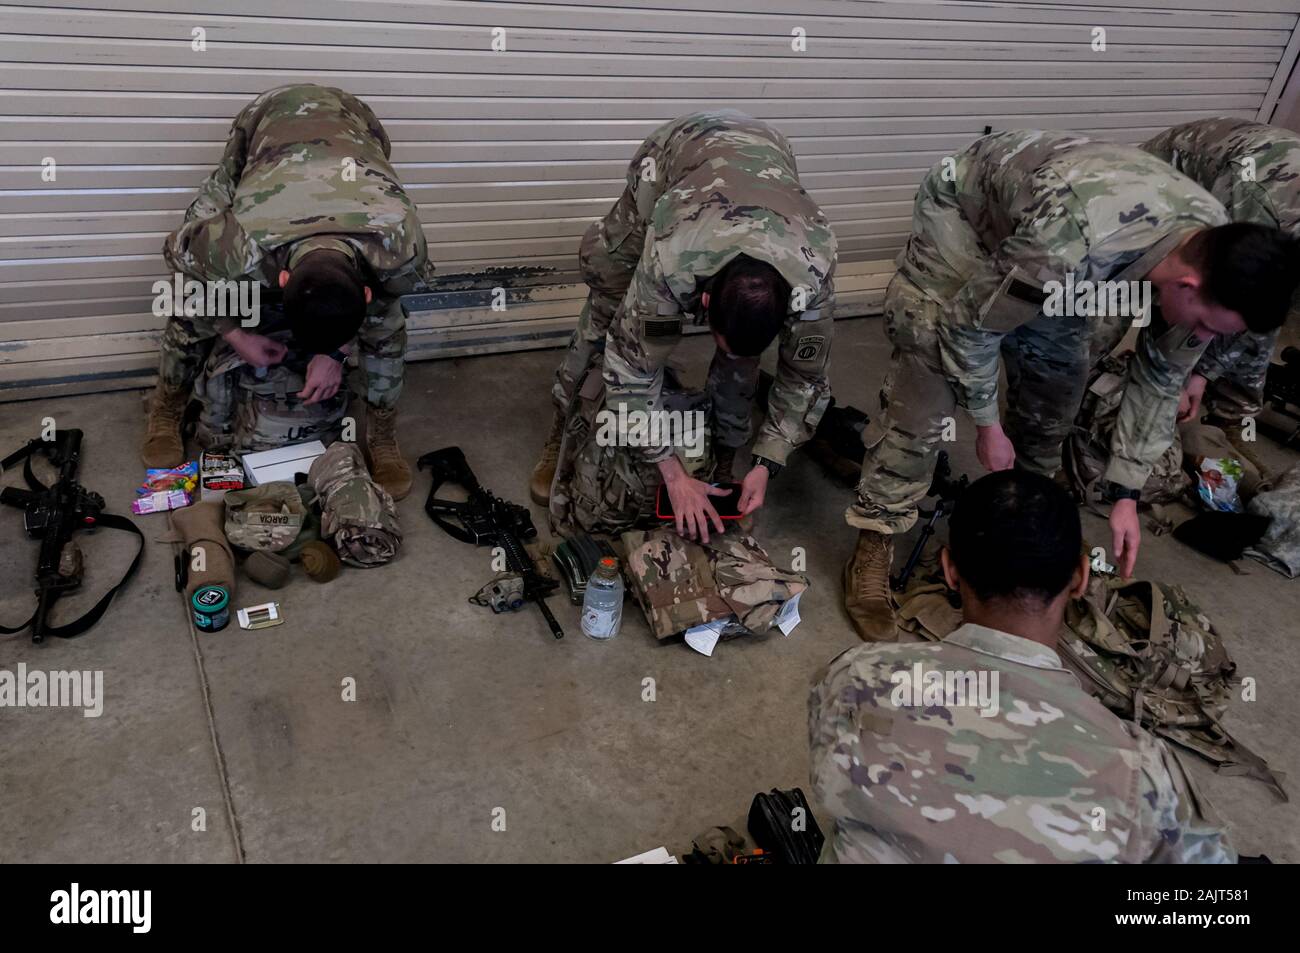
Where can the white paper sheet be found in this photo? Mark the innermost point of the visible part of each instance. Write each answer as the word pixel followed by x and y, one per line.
pixel 788 617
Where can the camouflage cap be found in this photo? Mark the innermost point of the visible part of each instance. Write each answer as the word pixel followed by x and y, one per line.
pixel 267 517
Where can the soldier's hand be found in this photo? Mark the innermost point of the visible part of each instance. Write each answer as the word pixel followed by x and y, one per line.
pixel 1126 535
pixel 692 508
pixel 258 350
pixel 1189 404
pixel 324 377
pixel 753 491
pixel 994 448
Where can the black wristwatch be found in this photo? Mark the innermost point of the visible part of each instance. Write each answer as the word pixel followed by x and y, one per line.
pixel 339 356
pixel 773 468
pixel 1112 492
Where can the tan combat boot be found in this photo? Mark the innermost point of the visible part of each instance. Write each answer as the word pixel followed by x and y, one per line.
pixel 387 468
pixel 539 485
pixel 866 587
pixel 163 446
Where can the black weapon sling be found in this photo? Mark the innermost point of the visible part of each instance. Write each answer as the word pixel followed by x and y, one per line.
pixel 79 625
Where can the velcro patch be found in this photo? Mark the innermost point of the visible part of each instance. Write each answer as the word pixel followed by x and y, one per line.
pixel 661 327
pixel 1026 292
pixel 809 347
pixel 271 519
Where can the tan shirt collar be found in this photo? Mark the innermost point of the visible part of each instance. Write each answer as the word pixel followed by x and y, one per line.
pixel 1004 645
pixel 319 243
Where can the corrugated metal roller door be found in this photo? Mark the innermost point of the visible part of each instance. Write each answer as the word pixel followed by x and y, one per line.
pixel 510 154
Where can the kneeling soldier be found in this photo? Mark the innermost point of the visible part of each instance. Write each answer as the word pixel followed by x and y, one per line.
pixel 305 201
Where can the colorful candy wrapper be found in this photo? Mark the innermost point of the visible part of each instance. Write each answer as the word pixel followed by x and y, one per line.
pixel 1216 483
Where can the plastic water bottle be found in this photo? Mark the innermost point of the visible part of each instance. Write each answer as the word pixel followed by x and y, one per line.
pixel 602 604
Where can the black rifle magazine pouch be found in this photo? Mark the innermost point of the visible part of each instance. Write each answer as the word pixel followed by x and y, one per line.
pixel 782 824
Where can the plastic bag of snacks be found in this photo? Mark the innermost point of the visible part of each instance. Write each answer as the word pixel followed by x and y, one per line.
pixel 1216 483
pixel 166 488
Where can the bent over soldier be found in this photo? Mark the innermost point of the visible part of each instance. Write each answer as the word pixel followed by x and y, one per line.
pixel 1254 170
pixel 714 227
pixel 305 201
pixel 997 232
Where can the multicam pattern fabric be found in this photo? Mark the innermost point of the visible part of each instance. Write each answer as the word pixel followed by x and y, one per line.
pixel 1280 546
pixel 603 488
pixel 305 167
pixel 1049 776
pixel 680 583
pixel 357 514
pixel 700 191
pixel 1254 170
pixel 246 409
pixel 1012 212
pixel 267 517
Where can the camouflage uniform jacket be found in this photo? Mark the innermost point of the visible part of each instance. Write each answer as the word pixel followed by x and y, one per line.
pixel 709 187
pixel 305 167
pixel 941 783
pixel 1041 206
pixel 1254 170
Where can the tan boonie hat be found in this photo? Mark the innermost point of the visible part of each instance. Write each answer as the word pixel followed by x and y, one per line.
pixel 267 517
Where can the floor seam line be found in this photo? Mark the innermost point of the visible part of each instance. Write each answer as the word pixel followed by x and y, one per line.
pixel 223 775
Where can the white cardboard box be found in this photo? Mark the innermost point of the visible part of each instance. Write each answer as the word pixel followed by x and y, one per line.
pixel 282 463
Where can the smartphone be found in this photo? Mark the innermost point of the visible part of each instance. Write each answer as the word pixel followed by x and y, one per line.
pixel 725 505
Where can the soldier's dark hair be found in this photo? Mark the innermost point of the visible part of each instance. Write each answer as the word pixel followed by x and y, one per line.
pixel 1015 536
pixel 748 303
pixel 1250 269
pixel 324 301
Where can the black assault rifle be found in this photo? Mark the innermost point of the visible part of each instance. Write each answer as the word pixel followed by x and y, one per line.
pixel 487 520
pixel 52 514
pixel 947 490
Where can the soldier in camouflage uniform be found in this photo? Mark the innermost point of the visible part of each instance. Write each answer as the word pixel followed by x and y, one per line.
pixel 991 228
pixel 916 764
pixel 705 193
pixel 1254 170
pixel 305 183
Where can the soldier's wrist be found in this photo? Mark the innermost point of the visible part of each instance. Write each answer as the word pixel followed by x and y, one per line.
pixel 771 466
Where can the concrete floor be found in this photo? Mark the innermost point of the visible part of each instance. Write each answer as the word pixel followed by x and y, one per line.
pixel 461 715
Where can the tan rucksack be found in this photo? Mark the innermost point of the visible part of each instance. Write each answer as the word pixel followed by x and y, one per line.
pixel 1144 649
pixel 1087 449
pixel 245 410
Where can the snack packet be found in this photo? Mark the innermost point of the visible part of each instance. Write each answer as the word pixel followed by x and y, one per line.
pixel 1216 483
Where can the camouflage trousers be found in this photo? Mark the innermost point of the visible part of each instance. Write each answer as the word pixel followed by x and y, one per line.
pixel 1046 362
pixel 732 382
pixel 381 353
pixel 1238 393
pixel 600 488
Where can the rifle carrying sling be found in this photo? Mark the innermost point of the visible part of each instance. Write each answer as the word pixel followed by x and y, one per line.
pixel 110 520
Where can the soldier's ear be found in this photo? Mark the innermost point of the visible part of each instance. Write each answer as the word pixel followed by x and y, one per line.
pixel 949 570
pixel 284 277
pixel 369 296
pixel 704 300
pixel 1082 573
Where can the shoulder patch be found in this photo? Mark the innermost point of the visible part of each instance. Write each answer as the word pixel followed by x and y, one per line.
pixel 809 347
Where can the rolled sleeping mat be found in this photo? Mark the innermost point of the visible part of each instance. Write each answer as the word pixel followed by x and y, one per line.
pixel 208 556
